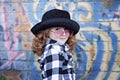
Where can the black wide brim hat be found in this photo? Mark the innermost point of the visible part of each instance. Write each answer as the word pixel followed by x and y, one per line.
pixel 56 18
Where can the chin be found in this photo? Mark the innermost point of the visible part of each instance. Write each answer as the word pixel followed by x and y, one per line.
pixel 63 42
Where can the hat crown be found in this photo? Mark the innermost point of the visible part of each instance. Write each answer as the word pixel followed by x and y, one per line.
pixel 55 13
pixel 54 18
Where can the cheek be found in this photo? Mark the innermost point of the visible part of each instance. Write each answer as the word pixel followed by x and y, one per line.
pixel 57 34
pixel 67 33
pixel 53 35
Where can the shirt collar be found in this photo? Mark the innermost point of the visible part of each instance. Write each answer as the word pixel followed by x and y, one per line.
pixel 51 41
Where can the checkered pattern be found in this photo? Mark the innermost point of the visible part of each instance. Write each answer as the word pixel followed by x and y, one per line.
pixel 56 62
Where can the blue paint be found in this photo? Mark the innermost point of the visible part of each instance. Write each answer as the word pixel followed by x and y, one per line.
pixel 35 73
pixel 1 33
pixel 81 61
pixel 113 56
pixel 105 28
pixel 95 69
pixel 100 13
pixel 19 46
pixel 118 78
pixel 88 36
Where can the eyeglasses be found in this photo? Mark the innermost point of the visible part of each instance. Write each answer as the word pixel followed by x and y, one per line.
pixel 60 31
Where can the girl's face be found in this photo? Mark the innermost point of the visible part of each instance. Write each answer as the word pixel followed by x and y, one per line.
pixel 59 34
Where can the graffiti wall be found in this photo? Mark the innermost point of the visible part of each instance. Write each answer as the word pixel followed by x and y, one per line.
pixel 97 53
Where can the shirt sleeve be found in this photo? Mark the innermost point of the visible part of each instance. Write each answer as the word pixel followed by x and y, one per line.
pixel 53 64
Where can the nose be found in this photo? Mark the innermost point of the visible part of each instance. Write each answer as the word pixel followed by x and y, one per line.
pixel 63 32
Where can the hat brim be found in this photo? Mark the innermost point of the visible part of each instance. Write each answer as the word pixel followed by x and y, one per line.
pixel 59 22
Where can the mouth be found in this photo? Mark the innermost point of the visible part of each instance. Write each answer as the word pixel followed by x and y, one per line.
pixel 63 38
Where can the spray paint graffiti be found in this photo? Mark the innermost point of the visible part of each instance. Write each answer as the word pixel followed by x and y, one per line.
pixel 98 49
pixel 10 41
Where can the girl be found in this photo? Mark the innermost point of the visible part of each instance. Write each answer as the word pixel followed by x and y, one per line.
pixel 54 42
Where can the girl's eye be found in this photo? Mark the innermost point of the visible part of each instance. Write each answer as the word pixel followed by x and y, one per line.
pixel 57 29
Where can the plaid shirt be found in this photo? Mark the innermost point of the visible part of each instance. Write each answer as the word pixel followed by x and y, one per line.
pixel 56 63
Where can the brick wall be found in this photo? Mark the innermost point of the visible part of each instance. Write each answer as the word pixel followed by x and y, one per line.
pixel 97 53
